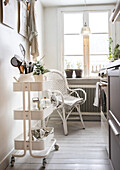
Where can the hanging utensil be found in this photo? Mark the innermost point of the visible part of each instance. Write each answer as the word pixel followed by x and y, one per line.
pixel 22 49
pixel 17 62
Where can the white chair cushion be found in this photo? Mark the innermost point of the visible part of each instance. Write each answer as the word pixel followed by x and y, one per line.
pixel 70 100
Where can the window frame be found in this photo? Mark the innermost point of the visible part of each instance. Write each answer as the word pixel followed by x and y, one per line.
pixel 87 9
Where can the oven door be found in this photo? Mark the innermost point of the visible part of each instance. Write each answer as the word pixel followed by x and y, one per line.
pixel 104 99
pixel 104 112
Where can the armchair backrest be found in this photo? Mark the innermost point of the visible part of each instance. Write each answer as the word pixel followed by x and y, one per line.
pixel 59 81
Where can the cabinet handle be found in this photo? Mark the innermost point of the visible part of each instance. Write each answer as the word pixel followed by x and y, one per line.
pixel 114 118
pixel 116 132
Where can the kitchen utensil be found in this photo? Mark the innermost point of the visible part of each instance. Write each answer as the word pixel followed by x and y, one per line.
pixel 22 49
pixel 16 62
pixel 30 67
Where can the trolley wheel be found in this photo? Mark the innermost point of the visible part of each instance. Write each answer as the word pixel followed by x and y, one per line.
pixel 44 163
pixel 56 147
pixel 12 161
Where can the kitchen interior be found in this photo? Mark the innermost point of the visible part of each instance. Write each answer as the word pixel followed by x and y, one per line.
pixel 78 41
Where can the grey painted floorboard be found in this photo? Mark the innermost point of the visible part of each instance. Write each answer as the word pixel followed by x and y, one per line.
pixel 81 149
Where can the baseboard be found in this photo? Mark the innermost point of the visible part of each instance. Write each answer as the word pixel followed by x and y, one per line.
pixel 6 160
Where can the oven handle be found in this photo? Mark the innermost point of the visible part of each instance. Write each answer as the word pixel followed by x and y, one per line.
pixel 116 132
pixel 118 123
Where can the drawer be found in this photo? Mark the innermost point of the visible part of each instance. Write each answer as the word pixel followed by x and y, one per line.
pixel 114 93
pixel 114 149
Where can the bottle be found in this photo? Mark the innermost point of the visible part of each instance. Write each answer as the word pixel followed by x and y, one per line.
pixel 45 102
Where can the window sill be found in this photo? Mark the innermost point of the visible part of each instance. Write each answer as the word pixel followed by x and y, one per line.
pixel 83 81
pixel 84 78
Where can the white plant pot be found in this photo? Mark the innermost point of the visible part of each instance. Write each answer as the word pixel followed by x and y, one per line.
pixel 40 77
pixel 26 78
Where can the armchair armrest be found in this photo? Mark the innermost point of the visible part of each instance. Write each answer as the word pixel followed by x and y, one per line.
pixel 57 93
pixel 79 89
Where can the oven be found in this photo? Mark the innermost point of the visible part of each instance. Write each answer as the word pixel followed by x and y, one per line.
pixel 104 105
pixel 104 99
pixel 104 92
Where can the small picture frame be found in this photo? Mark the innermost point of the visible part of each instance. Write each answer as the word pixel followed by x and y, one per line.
pixel 9 13
pixel 23 28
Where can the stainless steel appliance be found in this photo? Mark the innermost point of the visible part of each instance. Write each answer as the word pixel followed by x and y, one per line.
pixel 114 117
pixel 104 104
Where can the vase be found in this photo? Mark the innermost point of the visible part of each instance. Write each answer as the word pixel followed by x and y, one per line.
pixel 78 73
pixel 40 77
pixel 26 77
pixel 69 73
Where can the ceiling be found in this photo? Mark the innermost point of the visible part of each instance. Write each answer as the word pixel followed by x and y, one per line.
pixel 51 3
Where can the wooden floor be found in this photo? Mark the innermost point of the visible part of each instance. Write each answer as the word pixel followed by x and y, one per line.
pixel 81 149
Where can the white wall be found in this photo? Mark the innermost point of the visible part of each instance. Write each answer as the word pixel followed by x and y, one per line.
pixel 50 17
pixel 9 100
pixel 117 32
pixel 52 38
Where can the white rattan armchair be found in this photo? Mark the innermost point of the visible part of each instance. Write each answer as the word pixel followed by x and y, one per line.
pixel 66 102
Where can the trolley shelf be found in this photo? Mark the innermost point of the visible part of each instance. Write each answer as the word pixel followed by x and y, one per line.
pixel 24 142
pixel 34 86
pixel 35 114
pixel 40 144
pixel 39 152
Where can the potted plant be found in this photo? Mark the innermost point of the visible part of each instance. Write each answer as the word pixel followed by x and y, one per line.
pixel 116 51
pixel 39 70
pixel 78 71
pixel 68 71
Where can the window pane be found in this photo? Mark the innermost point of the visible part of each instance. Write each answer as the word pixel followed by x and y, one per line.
pixel 73 22
pixel 72 61
pixel 98 22
pixel 97 62
pixel 73 45
pixel 99 44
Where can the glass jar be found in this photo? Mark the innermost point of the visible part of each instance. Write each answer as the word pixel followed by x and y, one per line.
pixel 45 102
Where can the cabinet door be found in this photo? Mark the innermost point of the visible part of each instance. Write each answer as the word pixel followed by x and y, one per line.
pixel 115 150
pixel 114 101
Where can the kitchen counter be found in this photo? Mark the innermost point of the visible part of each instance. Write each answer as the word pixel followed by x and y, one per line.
pixel 113 64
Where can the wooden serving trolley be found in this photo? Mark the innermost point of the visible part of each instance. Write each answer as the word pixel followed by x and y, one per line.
pixel 24 142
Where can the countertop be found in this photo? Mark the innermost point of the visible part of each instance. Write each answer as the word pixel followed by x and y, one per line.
pixel 113 64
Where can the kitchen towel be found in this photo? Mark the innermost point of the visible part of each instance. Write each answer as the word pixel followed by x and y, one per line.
pixel 33 41
pixel 97 95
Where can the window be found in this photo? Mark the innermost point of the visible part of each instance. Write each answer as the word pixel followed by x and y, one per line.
pixel 74 46
pixel 98 41
pixel 73 41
